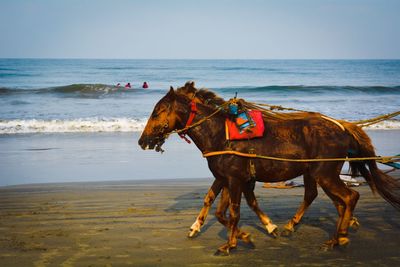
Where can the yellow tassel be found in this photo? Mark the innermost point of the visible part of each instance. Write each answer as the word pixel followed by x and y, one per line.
pixel 226 131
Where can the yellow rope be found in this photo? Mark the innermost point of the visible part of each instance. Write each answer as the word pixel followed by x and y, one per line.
pixel 272 107
pixel 368 122
pixel 250 155
pixel 361 123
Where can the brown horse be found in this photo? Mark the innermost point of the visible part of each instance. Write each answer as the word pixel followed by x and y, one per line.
pixel 298 136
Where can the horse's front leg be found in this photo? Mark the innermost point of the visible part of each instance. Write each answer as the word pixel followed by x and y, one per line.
pixel 251 200
pixel 235 194
pixel 212 193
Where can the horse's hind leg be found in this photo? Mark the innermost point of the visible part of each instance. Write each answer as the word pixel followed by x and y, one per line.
pixel 222 207
pixel 248 192
pixel 220 213
pixel 272 229
pixel 353 223
pixel 310 193
pixel 235 194
pixel 345 200
pixel 347 216
pixel 212 193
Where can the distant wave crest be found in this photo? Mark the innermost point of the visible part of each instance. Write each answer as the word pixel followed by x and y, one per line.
pixel 84 88
pixel 95 90
pixel 316 89
pixel 75 89
pixel 82 125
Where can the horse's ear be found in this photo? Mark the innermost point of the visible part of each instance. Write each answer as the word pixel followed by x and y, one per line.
pixel 171 91
pixel 192 84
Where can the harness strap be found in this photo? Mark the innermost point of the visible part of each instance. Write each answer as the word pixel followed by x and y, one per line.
pixel 334 121
pixel 193 112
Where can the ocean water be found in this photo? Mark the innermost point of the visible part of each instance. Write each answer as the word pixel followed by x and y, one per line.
pixel 79 95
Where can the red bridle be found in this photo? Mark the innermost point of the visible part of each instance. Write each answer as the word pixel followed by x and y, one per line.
pixel 193 111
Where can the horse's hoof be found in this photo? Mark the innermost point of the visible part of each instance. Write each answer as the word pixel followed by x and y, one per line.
pixel 287 232
pixel 275 233
pixel 271 228
pixel 354 224
pixel 245 237
pixel 222 251
pixel 193 233
pixel 343 241
pixel 248 240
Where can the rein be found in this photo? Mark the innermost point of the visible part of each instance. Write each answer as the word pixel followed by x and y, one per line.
pixel 190 124
pixel 382 159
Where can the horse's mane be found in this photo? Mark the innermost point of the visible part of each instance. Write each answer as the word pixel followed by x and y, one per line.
pixel 205 96
pixel 210 98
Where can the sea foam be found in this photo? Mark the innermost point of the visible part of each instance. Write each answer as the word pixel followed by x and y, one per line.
pixel 84 125
pixel 91 125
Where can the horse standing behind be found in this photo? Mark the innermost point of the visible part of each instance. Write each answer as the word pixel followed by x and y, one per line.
pixel 300 136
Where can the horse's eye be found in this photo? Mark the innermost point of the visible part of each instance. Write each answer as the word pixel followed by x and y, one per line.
pixel 156 114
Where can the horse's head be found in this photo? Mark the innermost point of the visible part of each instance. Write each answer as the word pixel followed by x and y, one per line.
pixel 162 121
pixel 172 113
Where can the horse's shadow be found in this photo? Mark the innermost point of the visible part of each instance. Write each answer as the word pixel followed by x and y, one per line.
pixel 188 201
pixel 192 202
pixel 321 215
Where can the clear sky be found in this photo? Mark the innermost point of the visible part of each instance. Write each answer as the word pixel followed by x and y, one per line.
pixel 206 29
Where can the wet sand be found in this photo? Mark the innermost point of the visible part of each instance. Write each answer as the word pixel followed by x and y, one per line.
pixel 145 223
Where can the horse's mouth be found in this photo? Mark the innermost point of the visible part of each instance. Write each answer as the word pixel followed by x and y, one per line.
pixel 150 144
pixel 158 146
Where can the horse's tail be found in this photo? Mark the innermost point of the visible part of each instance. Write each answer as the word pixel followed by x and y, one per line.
pixel 386 186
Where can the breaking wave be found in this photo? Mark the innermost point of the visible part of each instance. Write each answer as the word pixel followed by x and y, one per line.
pixel 385 125
pixel 82 125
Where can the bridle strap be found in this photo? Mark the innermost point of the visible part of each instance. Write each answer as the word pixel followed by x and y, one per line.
pixel 182 132
pixel 192 115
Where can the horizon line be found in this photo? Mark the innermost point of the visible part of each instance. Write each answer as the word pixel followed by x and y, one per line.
pixel 106 58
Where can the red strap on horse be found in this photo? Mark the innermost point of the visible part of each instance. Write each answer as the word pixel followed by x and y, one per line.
pixel 193 111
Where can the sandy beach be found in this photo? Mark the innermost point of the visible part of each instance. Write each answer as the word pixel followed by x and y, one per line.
pixel 144 223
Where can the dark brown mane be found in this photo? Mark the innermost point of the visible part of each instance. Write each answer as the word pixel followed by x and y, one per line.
pixel 209 98
pixel 203 95
pixel 212 99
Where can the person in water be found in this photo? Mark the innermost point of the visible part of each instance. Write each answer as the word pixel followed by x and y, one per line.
pixel 145 85
pixel 128 85
pixel 118 85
